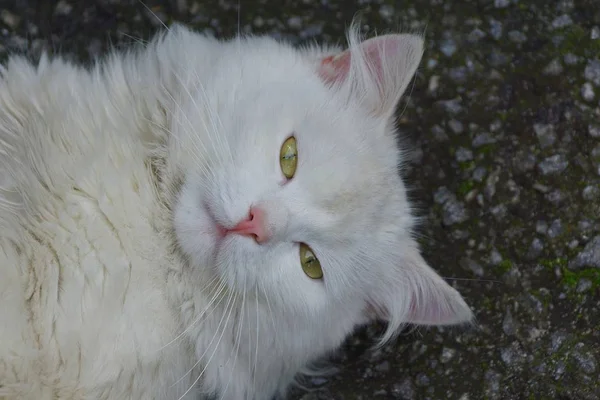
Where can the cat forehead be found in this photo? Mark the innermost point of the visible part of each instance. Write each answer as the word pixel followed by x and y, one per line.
pixel 258 61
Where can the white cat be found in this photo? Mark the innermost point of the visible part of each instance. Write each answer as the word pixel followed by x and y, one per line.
pixel 200 217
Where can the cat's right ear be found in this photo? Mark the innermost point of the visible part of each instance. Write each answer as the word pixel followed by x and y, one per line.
pixel 375 71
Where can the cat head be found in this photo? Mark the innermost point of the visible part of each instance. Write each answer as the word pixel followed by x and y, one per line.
pixel 289 163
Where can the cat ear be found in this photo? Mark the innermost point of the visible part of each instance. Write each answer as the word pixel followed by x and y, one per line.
pixel 418 295
pixel 377 71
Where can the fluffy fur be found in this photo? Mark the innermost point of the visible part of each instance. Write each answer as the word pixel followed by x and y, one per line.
pixel 114 280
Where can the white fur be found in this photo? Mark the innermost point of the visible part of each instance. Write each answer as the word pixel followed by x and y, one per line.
pixel 112 283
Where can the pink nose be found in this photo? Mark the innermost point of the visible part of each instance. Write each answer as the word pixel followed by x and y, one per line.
pixel 254 225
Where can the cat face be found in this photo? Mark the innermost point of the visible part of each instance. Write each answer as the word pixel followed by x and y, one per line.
pixel 291 188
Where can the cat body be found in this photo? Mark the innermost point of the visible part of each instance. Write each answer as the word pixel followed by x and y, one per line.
pixel 122 272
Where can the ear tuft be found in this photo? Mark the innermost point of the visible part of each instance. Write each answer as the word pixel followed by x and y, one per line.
pixel 375 71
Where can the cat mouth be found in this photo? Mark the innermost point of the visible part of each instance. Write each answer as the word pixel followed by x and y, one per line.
pixel 217 229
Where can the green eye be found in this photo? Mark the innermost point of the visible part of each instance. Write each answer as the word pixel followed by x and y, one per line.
pixel 310 264
pixel 288 157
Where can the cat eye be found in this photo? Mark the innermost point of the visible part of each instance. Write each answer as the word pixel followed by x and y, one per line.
pixel 310 264
pixel 288 157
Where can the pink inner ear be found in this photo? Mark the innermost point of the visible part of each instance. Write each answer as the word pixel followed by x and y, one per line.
pixel 419 312
pixel 424 313
pixel 431 311
pixel 334 69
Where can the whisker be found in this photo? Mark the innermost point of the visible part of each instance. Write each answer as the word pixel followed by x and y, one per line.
pixel 199 110
pixel 231 295
pixel 237 339
pixel 239 13
pixel 138 40
pixel 220 290
pixel 212 116
pixel 154 15
pixel 199 161
pixel 264 292
pixel 257 331
pixel 178 140
pixel 472 279
pixel 215 350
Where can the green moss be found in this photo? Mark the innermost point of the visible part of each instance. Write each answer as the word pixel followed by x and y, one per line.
pixel 502 115
pixel 466 165
pixel 487 149
pixel 505 265
pixel 542 296
pixel 570 277
pixel 486 303
pixel 560 262
pixel 465 187
pixel 577 39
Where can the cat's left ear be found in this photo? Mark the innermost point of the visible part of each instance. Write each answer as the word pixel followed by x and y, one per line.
pixel 414 293
pixel 376 71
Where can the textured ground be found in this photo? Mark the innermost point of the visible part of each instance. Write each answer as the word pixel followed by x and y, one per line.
pixel 504 121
